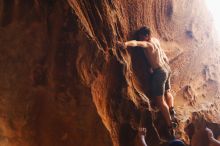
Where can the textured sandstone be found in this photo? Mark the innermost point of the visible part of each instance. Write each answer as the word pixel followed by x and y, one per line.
pixel 63 81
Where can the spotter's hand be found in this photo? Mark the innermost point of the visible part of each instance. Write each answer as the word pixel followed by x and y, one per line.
pixel 209 132
pixel 142 131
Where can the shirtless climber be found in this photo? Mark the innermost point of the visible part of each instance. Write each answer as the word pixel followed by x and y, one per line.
pixel 160 73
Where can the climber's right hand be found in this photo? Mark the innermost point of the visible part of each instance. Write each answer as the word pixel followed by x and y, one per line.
pixel 120 45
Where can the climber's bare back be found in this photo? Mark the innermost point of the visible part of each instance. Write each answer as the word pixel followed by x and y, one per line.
pixel 154 53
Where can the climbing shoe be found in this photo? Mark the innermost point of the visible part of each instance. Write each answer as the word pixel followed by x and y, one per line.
pixel 172 111
pixel 173 115
pixel 174 125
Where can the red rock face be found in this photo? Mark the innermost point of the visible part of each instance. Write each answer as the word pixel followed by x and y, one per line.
pixel 63 81
pixel 43 98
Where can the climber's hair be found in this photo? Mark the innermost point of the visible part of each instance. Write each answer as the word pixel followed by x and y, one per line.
pixel 145 31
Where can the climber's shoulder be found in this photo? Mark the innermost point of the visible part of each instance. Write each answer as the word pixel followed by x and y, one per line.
pixel 155 40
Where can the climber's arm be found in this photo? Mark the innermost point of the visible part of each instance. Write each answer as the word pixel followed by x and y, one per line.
pixel 135 43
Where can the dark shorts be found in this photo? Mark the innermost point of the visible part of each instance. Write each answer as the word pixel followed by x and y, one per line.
pixel 160 82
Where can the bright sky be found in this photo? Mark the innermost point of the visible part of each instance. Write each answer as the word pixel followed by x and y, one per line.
pixel 214 7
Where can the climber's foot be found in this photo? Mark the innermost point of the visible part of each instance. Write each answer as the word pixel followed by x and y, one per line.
pixel 173 115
